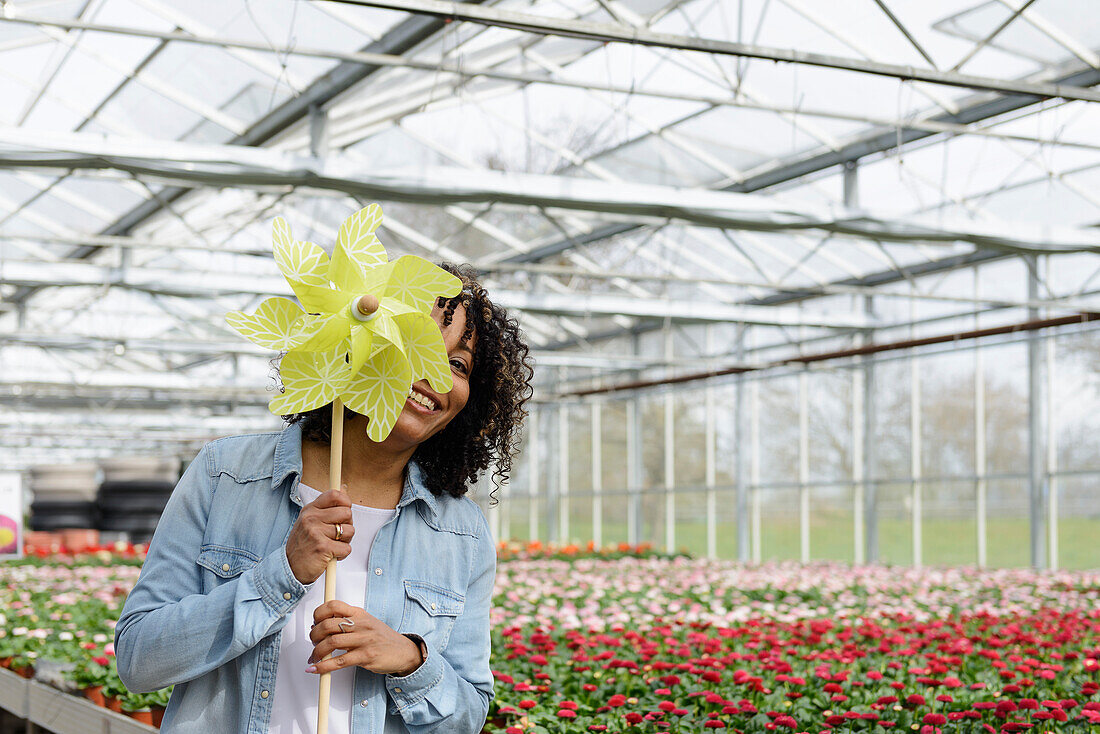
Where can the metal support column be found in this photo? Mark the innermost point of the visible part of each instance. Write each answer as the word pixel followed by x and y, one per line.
pixel 754 469
pixel 709 473
pixel 870 495
pixel 670 451
pixel 563 473
pixel 597 474
pixel 804 465
pixel 633 469
pixel 917 488
pixel 536 472
pixel 1035 454
pixel 741 449
pixel 1052 457
pixel 979 434
pixel 857 466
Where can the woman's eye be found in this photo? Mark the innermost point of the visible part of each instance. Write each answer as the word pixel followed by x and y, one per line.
pixel 459 365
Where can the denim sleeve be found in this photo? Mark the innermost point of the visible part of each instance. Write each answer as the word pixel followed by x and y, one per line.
pixel 169 631
pixel 450 692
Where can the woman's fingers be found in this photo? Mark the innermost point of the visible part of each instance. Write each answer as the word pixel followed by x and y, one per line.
pixel 335 608
pixel 332 498
pixel 340 641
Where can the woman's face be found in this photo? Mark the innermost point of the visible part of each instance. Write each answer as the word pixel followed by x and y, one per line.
pixel 418 422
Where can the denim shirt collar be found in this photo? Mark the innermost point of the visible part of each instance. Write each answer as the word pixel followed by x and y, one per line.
pixel 288 461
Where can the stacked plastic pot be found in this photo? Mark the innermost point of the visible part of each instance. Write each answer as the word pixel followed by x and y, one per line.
pixel 133 494
pixel 64 497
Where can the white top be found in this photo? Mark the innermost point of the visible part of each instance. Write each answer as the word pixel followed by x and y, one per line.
pixel 294 710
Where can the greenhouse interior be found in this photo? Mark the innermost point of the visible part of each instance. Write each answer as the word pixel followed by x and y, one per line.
pixel 810 288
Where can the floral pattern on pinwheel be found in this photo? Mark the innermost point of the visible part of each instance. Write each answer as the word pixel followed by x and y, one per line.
pixel 370 362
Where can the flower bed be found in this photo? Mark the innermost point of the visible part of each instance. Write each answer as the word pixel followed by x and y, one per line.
pixel 647 644
pixel 684 646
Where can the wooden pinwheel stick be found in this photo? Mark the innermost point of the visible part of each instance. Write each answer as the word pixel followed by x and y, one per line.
pixel 366 306
pixel 335 462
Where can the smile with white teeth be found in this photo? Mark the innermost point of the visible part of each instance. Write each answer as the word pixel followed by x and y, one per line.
pixel 422 400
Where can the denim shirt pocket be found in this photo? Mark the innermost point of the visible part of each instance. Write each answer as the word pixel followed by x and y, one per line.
pixel 430 611
pixel 223 563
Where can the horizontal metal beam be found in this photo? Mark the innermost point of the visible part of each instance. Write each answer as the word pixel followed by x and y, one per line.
pixel 222 165
pixel 174 346
pixel 589 304
pixel 975 109
pixel 467 70
pixel 608 32
pixel 863 350
pixel 211 284
pixel 405 36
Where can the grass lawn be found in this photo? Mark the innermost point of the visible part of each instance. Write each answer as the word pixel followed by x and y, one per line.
pixel 944 541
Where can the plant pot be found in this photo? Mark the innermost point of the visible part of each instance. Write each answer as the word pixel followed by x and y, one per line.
pixel 27 671
pixel 158 715
pixel 114 703
pixel 95 695
pixel 145 716
pixel 6 662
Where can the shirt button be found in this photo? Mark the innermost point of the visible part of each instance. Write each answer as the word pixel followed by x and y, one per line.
pixel 363 703
pixel 286 595
pixel 264 694
pixel 378 572
pixel 225 566
pixel 397 690
pixel 433 605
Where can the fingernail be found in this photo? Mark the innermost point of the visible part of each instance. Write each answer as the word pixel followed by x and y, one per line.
pixel 311 668
pixel 311 661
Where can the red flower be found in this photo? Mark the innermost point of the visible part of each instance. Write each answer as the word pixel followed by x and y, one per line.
pixel 712 676
pixel 934 719
pixel 787 721
pixel 617 700
pixel 633 717
pixel 538 659
pixel 914 699
pixel 1028 703
pixel 714 724
pixel 598 727
pixel 589 687
pixel 567 714
pixel 666 705
pixel 101 661
pixel 568 705
pixel 513 730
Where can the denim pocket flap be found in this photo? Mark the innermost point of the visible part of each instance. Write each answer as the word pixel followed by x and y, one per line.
pixel 226 562
pixel 435 599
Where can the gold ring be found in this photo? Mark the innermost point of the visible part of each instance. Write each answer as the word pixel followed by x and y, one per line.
pixel 339 531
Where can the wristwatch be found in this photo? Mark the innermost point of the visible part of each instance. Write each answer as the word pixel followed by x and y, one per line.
pixel 423 646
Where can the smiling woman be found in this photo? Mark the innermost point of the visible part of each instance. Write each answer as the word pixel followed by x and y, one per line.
pixel 491 357
pixel 228 609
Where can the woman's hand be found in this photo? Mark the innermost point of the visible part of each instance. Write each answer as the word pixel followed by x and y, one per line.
pixel 368 642
pixel 313 543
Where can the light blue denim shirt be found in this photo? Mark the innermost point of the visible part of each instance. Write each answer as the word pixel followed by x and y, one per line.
pixel 216 590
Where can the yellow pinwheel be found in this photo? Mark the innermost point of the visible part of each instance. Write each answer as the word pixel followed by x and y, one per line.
pixel 364 332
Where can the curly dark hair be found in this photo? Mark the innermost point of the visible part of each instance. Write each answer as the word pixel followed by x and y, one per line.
pixel 486 431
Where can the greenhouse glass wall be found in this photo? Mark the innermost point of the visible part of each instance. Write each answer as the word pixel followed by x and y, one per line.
pixel 801 280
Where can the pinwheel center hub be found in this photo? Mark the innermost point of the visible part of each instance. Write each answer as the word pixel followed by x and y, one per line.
pixel 365 307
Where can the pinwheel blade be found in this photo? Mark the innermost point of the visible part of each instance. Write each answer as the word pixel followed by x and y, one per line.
pixel 357 249
pixel 426 351
pixel 379 390
pixel 310 380
pixel 272 326
pixel 322 332
pixel 305 266
pixel 418 283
